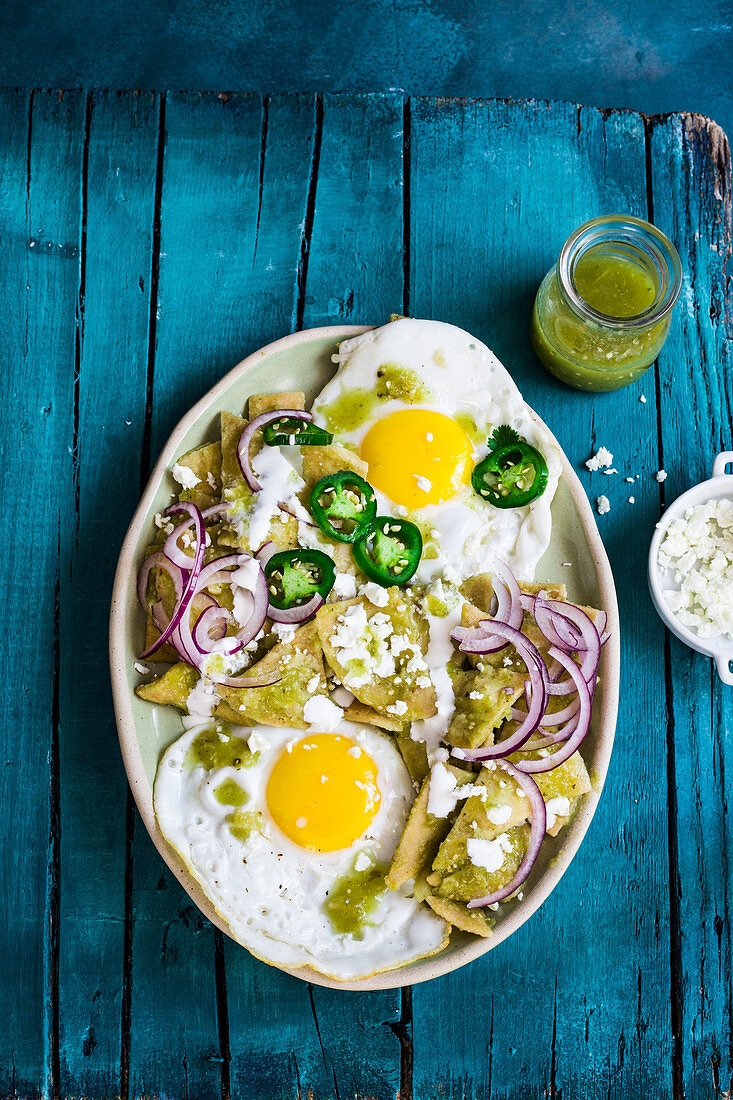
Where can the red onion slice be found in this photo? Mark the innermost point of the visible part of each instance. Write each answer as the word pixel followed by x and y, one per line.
pixel 509 601
pixel 158 560
pixel 189 587
pixel 582 719
pixel 539 679
pixel 300 614
pixel 265 552
pixel 211 628
pixel 247 436
pixel 538 825
pixel 171 548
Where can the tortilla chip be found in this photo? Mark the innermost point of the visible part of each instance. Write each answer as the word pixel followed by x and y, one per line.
pixel 269 402
pixel 205 463
pixel 454 876
pixel 359 712
pixel 466 881
pixel 415 756
pixel 300 665
pixel 413 696
pixel 459 916
pixel 330 459
pixel 166 654
pixel 422 836
pixel 172 688
pixel 496 690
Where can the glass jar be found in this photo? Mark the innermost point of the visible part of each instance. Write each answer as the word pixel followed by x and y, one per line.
pixel 603 312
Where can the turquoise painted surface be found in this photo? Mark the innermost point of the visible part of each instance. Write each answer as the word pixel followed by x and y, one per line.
pixel 149 243
pixel 651 57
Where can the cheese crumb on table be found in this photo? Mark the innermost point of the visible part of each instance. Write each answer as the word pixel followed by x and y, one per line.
pixel 603 505
pixel 632 500
pixel 661 475
pixel 602 457
pixel 698 550
pixel 642 399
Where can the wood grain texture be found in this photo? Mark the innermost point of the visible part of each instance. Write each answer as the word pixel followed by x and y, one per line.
pixel 151 242
pixel 577 1000
pixel 690 170
pixel 42 145
pixel 118 186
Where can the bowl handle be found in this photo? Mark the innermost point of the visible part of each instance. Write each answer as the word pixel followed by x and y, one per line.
pixel 721 461
pixel 722 663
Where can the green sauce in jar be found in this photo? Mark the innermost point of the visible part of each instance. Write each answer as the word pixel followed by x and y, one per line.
pixel 603 313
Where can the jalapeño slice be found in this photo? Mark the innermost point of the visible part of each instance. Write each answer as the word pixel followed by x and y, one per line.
pixel 343 505
pixel 514 473
pixel 294 576
pixel 389 552
pixel 290 430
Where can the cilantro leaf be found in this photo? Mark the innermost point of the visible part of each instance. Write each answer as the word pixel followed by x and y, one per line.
pixel 503 436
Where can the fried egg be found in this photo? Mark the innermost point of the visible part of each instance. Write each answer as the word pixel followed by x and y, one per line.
pixel 289 833
pixel 418 400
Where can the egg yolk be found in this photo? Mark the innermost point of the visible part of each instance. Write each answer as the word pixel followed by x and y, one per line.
pixel 418 457
pixel 323 792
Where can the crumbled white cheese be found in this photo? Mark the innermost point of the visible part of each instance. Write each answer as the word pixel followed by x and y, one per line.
pixel 603 505
pixel 698 549
pixel 661 475
pixel 256 742
pixel 375 594
pixel 362 862
pixel 163 523
pixel 344 585
pixel 602 457
pixel 185 476
pixel 284 631
pixel 320 711
pixel 488 854
pixel 630 479
pixel 423 483
pixel 642 399
pixel 399 708
pixel 141 668
pixel 312 684
pixel 610 470
pixel 557 807
pixel 632 500
pixel 499 815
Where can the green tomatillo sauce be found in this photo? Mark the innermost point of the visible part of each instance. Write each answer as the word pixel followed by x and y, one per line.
pixel 603 352
pixel 353 899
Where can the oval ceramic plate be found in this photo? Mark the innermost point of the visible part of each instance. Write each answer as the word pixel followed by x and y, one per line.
pixel 303 362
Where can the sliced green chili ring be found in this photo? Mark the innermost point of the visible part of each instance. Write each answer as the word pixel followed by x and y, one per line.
pixel 292 431
pixel 511 476
pixel 389 552
pixel 343 505
pixel 294 576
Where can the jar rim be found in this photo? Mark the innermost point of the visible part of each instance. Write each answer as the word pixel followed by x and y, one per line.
pixel 641 234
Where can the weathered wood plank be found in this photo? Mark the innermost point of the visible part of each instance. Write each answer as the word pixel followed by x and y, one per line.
pixel 690 170
pixel 40 163
pixel 578 999
pixel 117 193
pixel 321 1042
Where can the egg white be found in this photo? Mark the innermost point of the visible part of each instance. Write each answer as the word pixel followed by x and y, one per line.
pixel 462 376
pixel 269 890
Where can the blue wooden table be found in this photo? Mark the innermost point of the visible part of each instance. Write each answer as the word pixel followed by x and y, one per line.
pixel 148 244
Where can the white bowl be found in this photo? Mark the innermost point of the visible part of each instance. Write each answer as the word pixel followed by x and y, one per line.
pixel 719 485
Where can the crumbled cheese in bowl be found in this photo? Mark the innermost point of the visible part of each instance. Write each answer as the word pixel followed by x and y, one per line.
pixel 698 550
